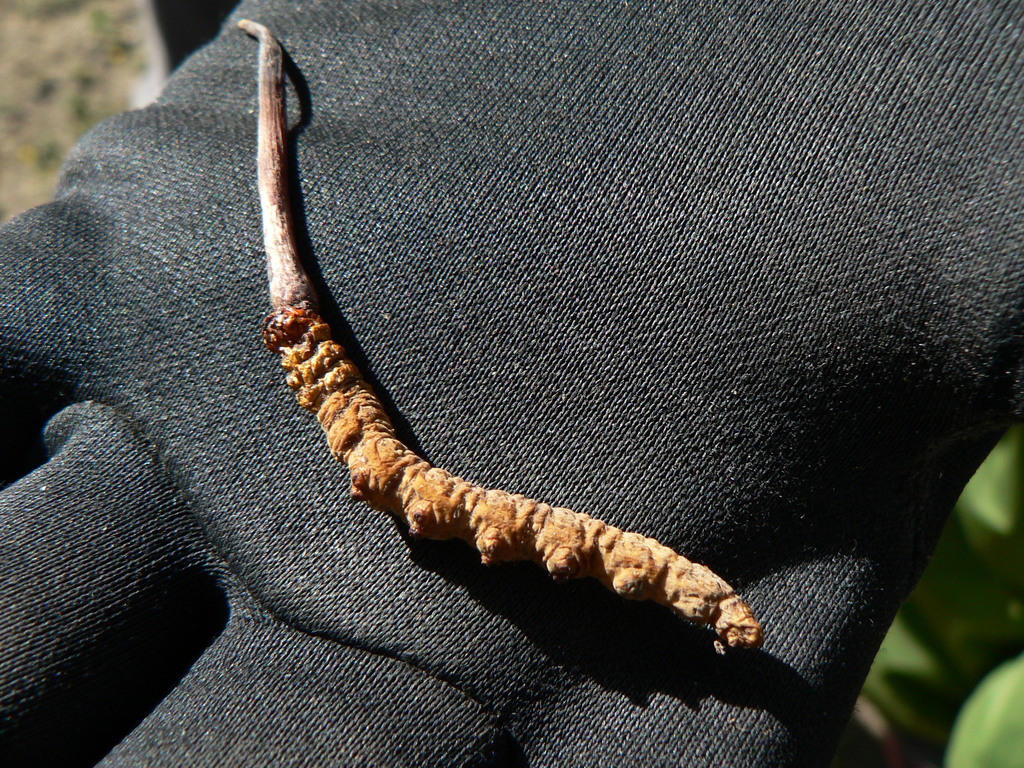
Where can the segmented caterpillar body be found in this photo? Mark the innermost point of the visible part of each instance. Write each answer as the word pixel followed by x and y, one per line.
pixel 435 504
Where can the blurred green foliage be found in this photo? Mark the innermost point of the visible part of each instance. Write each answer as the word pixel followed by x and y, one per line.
pixel 989 732
pixel 952 666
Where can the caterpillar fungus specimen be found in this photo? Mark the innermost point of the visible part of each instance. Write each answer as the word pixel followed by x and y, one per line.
pixel 435 504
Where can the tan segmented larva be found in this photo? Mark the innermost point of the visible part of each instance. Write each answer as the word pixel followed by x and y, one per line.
pixel 435 504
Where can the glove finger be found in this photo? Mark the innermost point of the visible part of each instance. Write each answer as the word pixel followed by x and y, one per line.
pixel 266 694
pixel 106 598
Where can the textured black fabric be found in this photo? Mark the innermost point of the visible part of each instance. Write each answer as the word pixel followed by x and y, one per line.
pixel 107 593
pixel 265 694
pixel 744 277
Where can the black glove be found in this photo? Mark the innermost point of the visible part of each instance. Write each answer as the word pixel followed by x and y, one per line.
pixel 740 277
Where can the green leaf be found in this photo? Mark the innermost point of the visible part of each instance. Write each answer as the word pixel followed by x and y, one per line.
pixel 992 511
pixel 967 614
pixel 989 732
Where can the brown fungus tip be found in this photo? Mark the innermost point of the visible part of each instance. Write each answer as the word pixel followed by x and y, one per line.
pixel 256 30
pixel 289 285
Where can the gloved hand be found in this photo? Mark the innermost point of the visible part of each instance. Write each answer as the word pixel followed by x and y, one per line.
pixel 742 278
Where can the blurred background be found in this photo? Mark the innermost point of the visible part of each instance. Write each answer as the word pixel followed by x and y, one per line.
pixel 67 64
pixel 64 65
pixel 947 687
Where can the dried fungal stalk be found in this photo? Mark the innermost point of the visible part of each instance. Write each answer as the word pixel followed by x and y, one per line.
pixel 435 504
